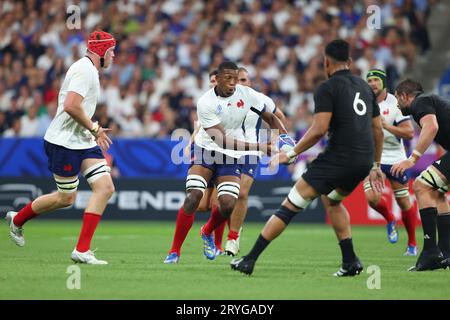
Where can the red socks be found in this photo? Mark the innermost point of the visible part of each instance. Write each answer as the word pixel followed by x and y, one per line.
pixel 24 215
pixel 409 220
pixel 214 221
pixel 90 222
pixel 182 227
pixel 233 235
pixel 218 234
pixel 383 209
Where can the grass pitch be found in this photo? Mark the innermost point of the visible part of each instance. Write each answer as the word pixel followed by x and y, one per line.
pixel 297 265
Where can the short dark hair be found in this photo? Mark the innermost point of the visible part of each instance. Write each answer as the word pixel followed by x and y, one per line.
pixel 409 87
pixel 213 73
pixel 338 50
pixel 227 65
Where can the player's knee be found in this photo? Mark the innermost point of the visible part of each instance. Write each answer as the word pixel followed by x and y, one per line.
pixel 66 199
pixel 285 214
pixel 109 190
pixel 192 201
pixel 226 208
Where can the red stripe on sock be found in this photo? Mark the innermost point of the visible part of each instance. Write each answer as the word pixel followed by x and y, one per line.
pixel 383 209
pixel 409 220
pixel 90 222
pixel 24 215
pixel 182 226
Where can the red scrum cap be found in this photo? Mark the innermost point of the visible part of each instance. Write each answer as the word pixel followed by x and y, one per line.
pixel 99 42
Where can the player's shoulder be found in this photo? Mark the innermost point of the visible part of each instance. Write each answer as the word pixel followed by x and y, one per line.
pixel 422 100
pixel 246 91
pixel 326 86
pixel 391 100
pixel 264 97
pixel 206 97
pixel 81 66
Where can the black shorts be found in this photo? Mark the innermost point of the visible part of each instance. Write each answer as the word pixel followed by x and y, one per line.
pixel 443 165
pixel 325 175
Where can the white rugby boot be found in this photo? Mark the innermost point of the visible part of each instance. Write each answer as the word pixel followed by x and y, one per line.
pixel 87 257
pixel 15 232
pixel 232 247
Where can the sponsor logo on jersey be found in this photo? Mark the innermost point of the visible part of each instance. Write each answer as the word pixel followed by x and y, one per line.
pixel 240 104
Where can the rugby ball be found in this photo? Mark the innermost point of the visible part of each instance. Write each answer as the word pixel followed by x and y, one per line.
pixel 286 143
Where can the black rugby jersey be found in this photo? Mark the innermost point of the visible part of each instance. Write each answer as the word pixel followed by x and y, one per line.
pixel 425 104
pixel 353 105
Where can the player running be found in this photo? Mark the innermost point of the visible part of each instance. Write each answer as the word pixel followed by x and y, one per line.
pixel 72 144
pixel 252 126
pixel 432 114
pixel 218 146
pixel 345 107
pixel 395 128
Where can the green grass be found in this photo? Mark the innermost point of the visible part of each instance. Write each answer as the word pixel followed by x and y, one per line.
pixel 298 265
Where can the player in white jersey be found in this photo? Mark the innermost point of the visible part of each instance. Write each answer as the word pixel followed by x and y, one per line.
pixel 395 128
pixel 252 126
pixel 218 146
pixel 73 144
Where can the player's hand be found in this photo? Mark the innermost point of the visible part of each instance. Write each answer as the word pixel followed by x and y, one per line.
pixel 376 179
pixel 279 158
pixel 399 168
pixel 102 139
pixel 384 123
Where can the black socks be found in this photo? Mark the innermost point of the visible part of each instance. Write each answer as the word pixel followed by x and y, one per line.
pixel 258 248
pixel 348 254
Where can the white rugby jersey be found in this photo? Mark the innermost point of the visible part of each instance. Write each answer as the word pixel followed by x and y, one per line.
pixel 230 112
pixel 82 78
pixel 393 148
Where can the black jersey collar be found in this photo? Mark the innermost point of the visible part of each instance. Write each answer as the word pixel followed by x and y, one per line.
pixel 341 72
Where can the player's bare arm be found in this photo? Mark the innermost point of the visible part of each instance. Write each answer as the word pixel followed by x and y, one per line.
pixel 429 130
pixel 404 130
pixel 274 122
pixel 280 115
pixel 217 134
pixel 318 129
pixel 72 105
pixel 376 176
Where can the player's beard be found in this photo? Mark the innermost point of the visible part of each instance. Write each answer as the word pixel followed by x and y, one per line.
pixel 405 111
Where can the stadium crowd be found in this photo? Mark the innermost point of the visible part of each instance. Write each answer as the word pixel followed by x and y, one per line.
pixel 167 48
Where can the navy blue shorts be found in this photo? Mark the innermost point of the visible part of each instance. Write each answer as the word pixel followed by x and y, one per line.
pixel 250 165
pixel 386 168
pixel 220 164
pixel 67 162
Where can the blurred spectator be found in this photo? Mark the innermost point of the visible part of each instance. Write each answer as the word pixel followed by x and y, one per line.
pixel 3 123
pixel 14 130
pixel 29 123
pixel 166 49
